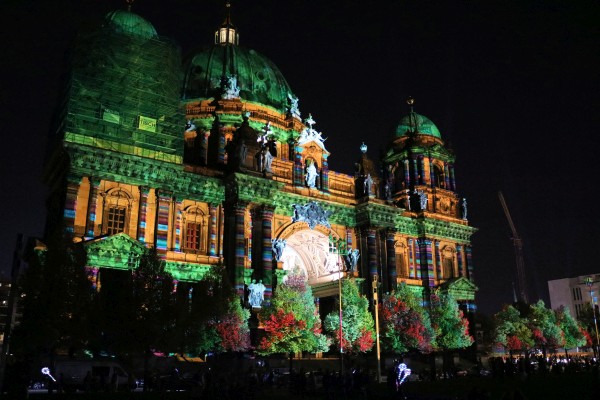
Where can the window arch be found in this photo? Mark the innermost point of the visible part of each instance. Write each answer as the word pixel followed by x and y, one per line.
pixel 194 230
pixel 401 260
pixel 448 257
pixel 117 207
pixel 438 175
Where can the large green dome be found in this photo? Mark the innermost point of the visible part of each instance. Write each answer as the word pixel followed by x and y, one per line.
pixel 128 23
pixel 258 79
pixel 424 126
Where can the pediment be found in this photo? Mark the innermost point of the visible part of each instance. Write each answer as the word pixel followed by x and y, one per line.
pixel 117 251
pixel 460 288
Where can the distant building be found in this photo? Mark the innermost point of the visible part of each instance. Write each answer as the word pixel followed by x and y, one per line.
pixel 573 293
pixel 5 287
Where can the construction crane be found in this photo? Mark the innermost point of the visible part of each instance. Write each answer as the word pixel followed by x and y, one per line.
pixel 518 243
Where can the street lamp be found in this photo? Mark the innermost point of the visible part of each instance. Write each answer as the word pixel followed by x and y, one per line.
pixel 589 281
pixel 376 301
pixel 340 248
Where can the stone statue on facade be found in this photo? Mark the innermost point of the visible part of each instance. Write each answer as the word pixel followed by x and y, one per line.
pixel 464 208
pixel 368 185
pixel 278 246
pixel 408 199
pixel 388 191
pixel 423 200
pixel 257 293
pixel 311 175
pixel 189 126
pixel 352 259
pixel 231 89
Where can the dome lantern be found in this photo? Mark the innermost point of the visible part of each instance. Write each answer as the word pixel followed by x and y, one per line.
pixel 227 34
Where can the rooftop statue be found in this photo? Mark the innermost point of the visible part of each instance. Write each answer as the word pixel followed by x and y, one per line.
pixel 310 134
pixel 293 105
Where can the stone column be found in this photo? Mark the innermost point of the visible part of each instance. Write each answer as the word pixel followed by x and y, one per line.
pixel 325 175
pixel 406 173
pixel 222 144
pixel 221 235
pixel 390 244
pixel 421 170
pixel 412 273
pixel 177 222
pixel 73 183
pixel 163 209
pixel 372 251
pixel 452 179
pixel 415 171
pixel 90 223
pixel 426 260
pixel 446 176
pixel 205 134
pixel 298 168
pixel 212 230
pixel 141 231
pixel 431 173
pixel 438 261
pixel 469 260
pixel 240 247
pixel 267 251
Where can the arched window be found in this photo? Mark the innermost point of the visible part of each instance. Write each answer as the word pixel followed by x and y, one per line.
pixel 448 262
pixel 117 205
pixel 401 264
pixel 194 230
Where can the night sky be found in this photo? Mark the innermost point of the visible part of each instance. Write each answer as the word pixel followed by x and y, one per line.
pixel 513 87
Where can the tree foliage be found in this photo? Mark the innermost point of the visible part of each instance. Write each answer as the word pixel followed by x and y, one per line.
pixel 546 333
pixel 573 334
pixel 405 325
pixel 58 295
pixel 358 333
pixel 449 324
pixel 291 323
pixel 512 330
pixel 211 317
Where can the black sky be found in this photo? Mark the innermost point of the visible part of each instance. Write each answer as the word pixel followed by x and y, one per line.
pixel 512 85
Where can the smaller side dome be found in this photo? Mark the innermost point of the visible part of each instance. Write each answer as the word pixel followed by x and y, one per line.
pixel 128 23
pixel 424 126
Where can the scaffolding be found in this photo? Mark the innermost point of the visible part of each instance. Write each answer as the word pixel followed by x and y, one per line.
pixel 123 95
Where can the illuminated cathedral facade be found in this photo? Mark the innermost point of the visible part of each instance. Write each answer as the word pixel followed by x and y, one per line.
pixel 220 168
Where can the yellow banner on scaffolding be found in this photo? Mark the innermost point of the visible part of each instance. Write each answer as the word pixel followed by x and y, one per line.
pixel 147 124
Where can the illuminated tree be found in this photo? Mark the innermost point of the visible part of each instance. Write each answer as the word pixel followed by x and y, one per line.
pixel 358 334
pixel 211 317
pixel 449 324
pixel 291 323
pixel 573 333
pixel 511 330
pixel 546 333
pixel 405 325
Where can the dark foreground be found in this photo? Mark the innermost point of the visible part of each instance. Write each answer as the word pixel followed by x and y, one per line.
pixel 577 386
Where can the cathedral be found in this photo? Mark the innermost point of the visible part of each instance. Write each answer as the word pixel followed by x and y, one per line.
pixel 211 162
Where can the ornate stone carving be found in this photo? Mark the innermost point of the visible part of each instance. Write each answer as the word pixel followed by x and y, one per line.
pixel 311 213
